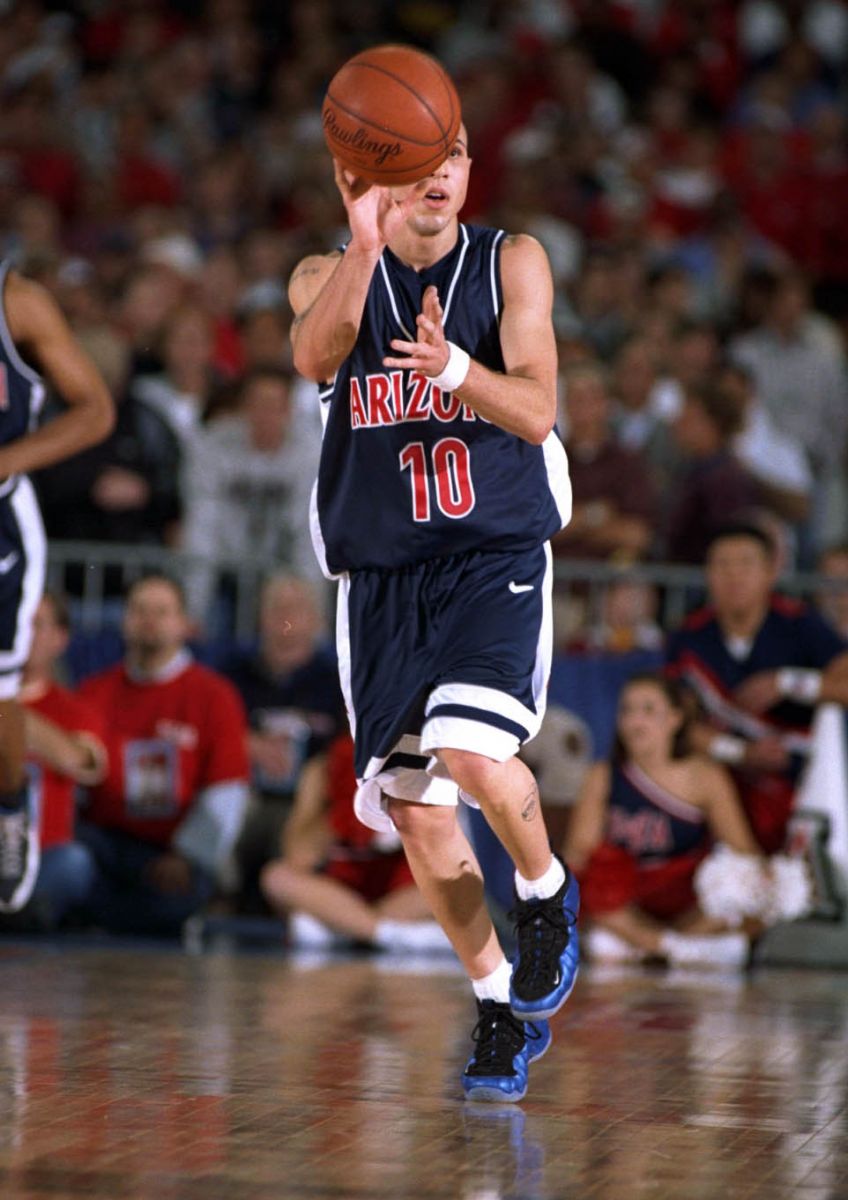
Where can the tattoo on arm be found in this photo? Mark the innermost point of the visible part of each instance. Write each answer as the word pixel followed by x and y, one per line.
pixel 531 805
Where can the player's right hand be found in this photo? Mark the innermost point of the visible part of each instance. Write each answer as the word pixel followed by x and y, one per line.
pixel 375 214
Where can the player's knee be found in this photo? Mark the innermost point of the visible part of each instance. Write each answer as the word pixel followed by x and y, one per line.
pixel 421 825
pixel 474 773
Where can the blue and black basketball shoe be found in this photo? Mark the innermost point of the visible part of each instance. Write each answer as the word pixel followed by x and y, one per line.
pixel 505 1047
pixel 548 952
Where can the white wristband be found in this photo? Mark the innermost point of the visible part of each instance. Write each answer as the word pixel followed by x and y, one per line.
pixel 799 683
pixel 455 370
pixel 726 748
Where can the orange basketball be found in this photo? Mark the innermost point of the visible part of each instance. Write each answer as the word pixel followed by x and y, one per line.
pixel 391 115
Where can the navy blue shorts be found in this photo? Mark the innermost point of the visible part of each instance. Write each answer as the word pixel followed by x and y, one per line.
pixel 454 653
pixel 23 554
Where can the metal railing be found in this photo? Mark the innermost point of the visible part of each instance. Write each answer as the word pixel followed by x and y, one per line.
pixel 95 575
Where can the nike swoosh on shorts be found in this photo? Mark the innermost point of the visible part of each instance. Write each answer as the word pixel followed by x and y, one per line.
pixel 520 587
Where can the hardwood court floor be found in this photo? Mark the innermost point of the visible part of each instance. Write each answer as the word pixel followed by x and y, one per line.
pixel 142 1073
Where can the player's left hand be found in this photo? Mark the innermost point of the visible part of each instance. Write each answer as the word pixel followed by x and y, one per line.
pixel 759 692
pixel 429 354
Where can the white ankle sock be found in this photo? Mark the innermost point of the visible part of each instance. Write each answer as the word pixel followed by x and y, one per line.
pixel 544 887
pixel 494 986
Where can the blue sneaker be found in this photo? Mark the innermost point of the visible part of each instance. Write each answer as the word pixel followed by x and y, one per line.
pixel 505 1047
pixel 548 954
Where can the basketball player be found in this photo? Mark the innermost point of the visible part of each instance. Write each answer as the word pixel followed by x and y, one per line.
pixel 440 483
pixel 33 334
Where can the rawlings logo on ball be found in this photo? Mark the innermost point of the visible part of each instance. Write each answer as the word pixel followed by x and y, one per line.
pixel 358 139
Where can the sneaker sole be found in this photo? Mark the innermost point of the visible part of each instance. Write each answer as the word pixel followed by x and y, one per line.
pixel 495 1095
pixel 543 1014
pixel 26 886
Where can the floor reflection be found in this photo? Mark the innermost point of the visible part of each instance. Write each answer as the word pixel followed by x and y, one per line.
pixel 165 1077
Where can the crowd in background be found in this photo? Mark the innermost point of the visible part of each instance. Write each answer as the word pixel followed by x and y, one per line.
pixel 684 163
pixel 162 167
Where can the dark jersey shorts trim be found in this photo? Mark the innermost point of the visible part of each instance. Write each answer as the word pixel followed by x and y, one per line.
pixel 479 714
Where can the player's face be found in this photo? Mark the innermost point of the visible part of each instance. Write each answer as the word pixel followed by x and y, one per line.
pixel 740 576
pixel 647 720
pixel 442 194
pixel 155 622
pixel 49 640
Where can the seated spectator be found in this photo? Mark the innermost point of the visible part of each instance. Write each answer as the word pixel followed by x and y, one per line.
pixel 162 824
pixel 756 664
pixel 247 488
pixel 775 460
pixel 714 488
pixel 833 602
pixel 799 369
pixel 289 684
pixel 181 393
pixel 65 740
pixel 126 489
pixel 627 621
pixel 640 840
pixel 643 400
pixel 339 880
pixel 614 506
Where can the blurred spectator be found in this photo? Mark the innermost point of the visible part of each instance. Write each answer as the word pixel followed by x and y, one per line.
pixel 645 404
pixel 614 509
pixel 775 460
pixel 290 687
pixel 627 621
pixel 163 823
pixel 757 664
pixel 65 739
pixel 124 490
pixel 833 602
pixel 247 486
pixel 181 394
pixel 340 881
pixel 714 488
pixel 640 840
pixel 798 367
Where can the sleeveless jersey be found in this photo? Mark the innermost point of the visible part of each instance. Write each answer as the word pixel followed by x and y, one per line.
pixel 21 388
pixel 408 473
pixel 648 821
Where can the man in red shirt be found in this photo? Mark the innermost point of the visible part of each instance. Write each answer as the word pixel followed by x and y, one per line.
pixel 165 819
pixel 65 745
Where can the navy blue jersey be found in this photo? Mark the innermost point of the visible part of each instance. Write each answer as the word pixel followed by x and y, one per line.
pixel 792 635
pixel 409 473
pixel 648 821
pixel 21 388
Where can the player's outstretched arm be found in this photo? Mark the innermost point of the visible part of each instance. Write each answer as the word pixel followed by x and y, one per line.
pixel 523 400
pixel 327 293
pixel 43 336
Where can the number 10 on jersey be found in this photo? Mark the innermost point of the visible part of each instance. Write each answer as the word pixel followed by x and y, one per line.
pixel 446 471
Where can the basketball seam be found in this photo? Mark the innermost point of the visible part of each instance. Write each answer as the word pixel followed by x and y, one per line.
pixel 397 78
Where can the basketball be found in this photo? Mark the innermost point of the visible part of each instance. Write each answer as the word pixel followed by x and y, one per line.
pixel 391 115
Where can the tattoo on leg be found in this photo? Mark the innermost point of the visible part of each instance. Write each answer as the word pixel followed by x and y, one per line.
pixel 531 805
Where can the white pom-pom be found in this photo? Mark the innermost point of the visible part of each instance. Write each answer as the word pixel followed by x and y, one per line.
pixel 731 887
pixel 791 891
